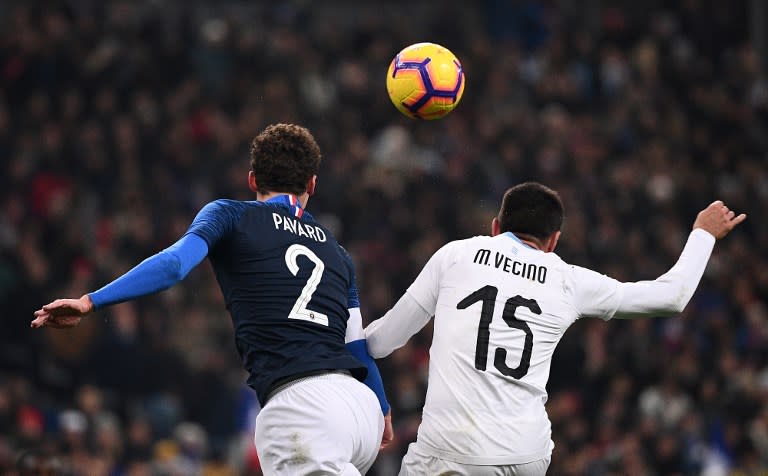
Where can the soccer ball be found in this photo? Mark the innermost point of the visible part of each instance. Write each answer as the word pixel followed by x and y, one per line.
pixel 425 81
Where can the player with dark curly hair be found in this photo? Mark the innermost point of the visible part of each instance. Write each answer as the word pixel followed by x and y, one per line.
pixel 290 289
pixel 284 157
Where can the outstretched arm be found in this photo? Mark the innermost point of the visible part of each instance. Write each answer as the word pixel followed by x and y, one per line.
pixel 599 296
pixel 392 331
pixel 156 273
pixel 412 311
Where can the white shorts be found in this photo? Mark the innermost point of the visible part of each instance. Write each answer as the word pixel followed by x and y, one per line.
pixel 329 424
pixel 416 463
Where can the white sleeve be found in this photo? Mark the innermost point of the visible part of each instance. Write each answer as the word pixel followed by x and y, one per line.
pixel 426 287
pixel 412 311
pixel 597 295
pixel 393 330
pixel 354 326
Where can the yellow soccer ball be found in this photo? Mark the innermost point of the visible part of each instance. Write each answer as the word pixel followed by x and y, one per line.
pixel 425 81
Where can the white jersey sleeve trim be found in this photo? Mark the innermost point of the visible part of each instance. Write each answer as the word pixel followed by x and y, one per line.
pixel 354 326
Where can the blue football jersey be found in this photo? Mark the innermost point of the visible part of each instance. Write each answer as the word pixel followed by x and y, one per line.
pixel 287 285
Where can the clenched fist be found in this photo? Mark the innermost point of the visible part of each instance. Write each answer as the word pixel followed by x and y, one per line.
pixel 717 219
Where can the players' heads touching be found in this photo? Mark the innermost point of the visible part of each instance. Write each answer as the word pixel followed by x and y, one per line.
pixel 531 209
pixel 284 158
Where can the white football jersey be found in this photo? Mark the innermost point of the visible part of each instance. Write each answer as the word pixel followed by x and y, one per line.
pixel 500 310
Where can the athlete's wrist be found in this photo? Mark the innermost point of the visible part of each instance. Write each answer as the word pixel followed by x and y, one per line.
pixel 90 307
pixel 706 234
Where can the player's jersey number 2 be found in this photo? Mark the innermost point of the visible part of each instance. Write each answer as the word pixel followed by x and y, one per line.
pixel 487 295
pixel 300 310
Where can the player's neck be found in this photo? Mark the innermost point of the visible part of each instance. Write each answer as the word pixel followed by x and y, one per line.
pixel 530 241
pixel 532 244
pixel 263 197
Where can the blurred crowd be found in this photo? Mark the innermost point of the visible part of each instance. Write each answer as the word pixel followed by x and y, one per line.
pixel 120 119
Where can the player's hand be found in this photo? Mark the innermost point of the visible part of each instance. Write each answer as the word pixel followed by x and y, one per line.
pixel 717 219
pixel 389 432
pixel 63 313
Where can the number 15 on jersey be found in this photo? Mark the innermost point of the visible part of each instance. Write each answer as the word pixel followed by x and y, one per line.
pixel 487 295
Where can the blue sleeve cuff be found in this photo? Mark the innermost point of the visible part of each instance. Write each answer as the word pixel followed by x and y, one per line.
pixel 359 350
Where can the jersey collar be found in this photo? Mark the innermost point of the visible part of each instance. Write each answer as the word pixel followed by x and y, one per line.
pixel 512 235
pixel 291 201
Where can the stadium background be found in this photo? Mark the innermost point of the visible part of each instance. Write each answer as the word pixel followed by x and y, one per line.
pixel 119 120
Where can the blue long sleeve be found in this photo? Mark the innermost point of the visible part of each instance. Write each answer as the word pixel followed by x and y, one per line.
pixel 156 273
pixel 359 350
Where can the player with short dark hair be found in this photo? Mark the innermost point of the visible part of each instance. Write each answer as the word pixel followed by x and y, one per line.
pixel 501 304
pixel 290 289
pixel 531 209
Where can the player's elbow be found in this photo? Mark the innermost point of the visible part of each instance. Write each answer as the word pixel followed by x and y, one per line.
pixel 680 298
pixel 375 349
pixel 172 267
pixel 675 305
pixel 668 308
pixel 674 295
pixel 678 307
pixel 377 353
pixel 664 310
pixel 374 343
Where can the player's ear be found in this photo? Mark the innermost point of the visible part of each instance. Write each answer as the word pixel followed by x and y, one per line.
pixel 551 243
pixel 311 185
pixel 252 182
pixel 495 227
